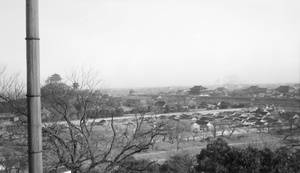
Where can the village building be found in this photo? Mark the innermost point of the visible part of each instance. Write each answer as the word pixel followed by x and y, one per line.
pixel 284 89
pixel 196 90
pixel 200 125
pixel 8 117
pixel 256 90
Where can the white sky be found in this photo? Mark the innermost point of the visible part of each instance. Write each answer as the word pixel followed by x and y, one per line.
pixel 145 43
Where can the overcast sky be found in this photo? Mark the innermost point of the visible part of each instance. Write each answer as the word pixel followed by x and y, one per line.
pixel 146 43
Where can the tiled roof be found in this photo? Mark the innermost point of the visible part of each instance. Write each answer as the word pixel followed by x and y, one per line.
pixel 198 87
pixel 161 103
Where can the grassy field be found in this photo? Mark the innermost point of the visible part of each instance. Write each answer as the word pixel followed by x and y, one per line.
pixel 163 150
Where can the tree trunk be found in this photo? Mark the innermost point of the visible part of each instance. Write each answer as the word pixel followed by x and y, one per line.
pixel 231 133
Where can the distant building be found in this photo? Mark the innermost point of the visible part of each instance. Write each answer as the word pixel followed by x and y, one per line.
pixel 159 98
pixel 196 90
pixel 283 89
pixel 256 90
pixel 222 89
pixel 132 92
pixel 8 117
pixel 161 104
pixel 199 125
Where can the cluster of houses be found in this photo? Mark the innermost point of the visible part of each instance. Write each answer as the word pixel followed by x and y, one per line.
pixel 252 91
pixel 254 117
pixel 258 118
pixel 281 91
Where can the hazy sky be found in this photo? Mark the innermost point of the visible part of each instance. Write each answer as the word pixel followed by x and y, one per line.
pixel 140 43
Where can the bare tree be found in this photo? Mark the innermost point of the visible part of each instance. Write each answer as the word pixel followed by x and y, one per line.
pixel 103 149
pixel 231 128
pixel 78 143
pixel 13 139
pixel 177 130
pixel 291 128
pixel 72 140
pixel 12 91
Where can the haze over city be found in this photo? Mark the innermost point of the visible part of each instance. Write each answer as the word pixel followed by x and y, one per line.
pixel 160 43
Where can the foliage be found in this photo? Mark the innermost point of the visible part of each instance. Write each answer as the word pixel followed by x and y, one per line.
pixel 220 157
pixel 131 165
pixel 223 105
pixel 180 163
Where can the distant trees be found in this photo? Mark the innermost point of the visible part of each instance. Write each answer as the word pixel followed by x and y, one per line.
pixel 179 163
pixel 223 105
pixel 291 119
pixel 291 134
pixel 177 131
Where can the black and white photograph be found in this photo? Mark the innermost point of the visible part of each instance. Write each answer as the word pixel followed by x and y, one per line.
pixel 150 86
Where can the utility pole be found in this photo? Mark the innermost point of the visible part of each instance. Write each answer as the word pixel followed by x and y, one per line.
pixel 34 122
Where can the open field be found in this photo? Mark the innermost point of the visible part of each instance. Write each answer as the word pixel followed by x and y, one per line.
pixel 259 140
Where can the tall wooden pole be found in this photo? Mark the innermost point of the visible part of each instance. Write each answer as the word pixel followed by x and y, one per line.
pixel 33 88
